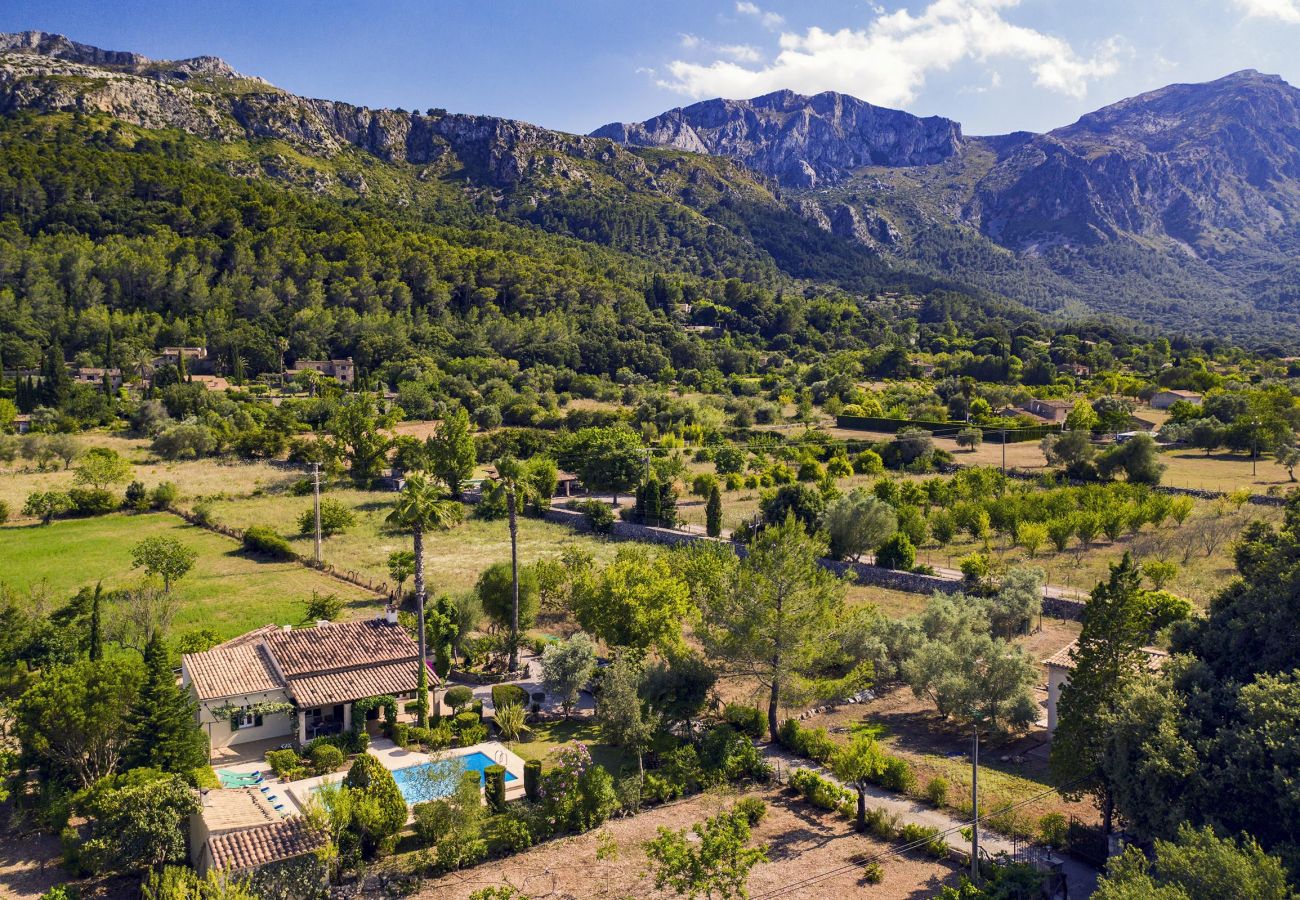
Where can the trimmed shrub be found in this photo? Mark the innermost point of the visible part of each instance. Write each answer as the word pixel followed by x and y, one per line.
pixel 509 695
pixel 400 732
pixel 326 758
pixel 494 780
pixel 533 779
pixel 746 719
pixel 266 541
pixel 458 697
pixel 282 761
pixel 468 737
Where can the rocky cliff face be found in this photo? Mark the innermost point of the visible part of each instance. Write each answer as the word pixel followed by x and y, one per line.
pixel 800 141
pixel 1201 165
pixel 206 97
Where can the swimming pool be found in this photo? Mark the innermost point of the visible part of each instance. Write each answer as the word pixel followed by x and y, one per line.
pixel 417 786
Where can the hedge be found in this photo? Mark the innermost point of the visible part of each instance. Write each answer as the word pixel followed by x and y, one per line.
pixel 494 779
pixel 509 695
pixel 533 779
pixel 893 426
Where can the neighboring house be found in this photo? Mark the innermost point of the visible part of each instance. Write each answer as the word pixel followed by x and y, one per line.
pixel 211 382
pixel 566 484
pixel 1166 399
pixel 1079 370
pixel 298 683
pixel 22 423
pixel 239 833
pixel 1061 663
pixel 1051 411
pixel 95 376
pixel 341 370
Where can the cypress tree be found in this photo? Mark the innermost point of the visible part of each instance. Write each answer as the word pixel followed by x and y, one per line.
pixel 163 721
pixel 96 641
pixel 56 383
pixel 652 498
pixel 713 512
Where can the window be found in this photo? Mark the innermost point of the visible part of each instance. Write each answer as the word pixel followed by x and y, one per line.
pixel 245 718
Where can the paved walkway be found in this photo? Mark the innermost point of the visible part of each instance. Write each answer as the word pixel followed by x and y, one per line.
pixel 1081 878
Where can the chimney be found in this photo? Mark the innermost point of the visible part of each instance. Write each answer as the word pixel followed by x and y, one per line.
pixel 390 615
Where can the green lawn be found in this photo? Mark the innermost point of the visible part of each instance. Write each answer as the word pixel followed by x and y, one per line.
pixel 226 591
pixel 550 736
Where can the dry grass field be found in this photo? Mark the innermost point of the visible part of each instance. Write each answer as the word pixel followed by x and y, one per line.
pixel 801 842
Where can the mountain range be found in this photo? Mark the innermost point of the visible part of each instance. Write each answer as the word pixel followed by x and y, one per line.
pixel 1179 208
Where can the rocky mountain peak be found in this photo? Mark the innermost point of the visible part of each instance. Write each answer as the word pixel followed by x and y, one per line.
pixel 57 46
pixel 798 140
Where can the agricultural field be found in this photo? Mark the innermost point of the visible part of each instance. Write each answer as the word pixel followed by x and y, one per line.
pixel 227 591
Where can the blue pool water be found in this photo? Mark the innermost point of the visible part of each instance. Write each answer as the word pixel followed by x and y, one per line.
pixel 417 787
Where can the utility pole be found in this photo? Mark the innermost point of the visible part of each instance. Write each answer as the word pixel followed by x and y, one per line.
pixel 1004 452
pixel 1254 445
pixel 975 805
pixel 315 483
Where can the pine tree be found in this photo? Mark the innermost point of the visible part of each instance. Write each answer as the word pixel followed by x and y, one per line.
pixel 96 640
pixel 1107 657
pixel 163 721
pixel 713 512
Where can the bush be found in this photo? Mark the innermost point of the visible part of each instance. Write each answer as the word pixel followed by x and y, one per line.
pixel 599 515
pixel 936 791
pixel 896 553
pixel 746 719
pixel 926 837
pixel 205 778
pixel 1053 830
pixel 820 792
pixel 897 775
pixel 468 737
pixel 137 497
pixel 164 495
pixel 400 732
pixel 507 834
pixel 4 512
pixel 282 761
pixel 509 695
pixel 813 743
pixel 92 501
pixel 752 808
pixel 458 697
pixel 335 518
pixel 872 873
pixel 882 823
pixel 326 758
pixel 265 541
pixel 533 779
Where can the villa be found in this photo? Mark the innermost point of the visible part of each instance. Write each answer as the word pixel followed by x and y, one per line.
pixel 1061 663
pixel 294 684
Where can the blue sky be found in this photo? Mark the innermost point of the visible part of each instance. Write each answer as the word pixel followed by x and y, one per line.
pixel 995 65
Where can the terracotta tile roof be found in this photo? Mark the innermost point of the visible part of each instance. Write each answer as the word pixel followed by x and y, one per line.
pixel 227 671
pixel 1061 659
pixel 354 684
pixel 240 851
pixel 251 637
pixel 340 645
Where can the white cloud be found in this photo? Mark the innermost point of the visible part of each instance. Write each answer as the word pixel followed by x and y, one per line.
pixel 689 41
pixel 768 19
pixel 1282 10
pixel 888 61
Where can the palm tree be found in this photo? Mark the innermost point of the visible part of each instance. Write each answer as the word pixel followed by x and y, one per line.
pixel 420 507
pixel 516 480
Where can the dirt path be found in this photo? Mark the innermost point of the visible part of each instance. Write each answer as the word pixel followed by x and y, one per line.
pixel 1082 878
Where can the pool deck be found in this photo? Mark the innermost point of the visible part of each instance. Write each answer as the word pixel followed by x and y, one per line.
pixel 393 757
